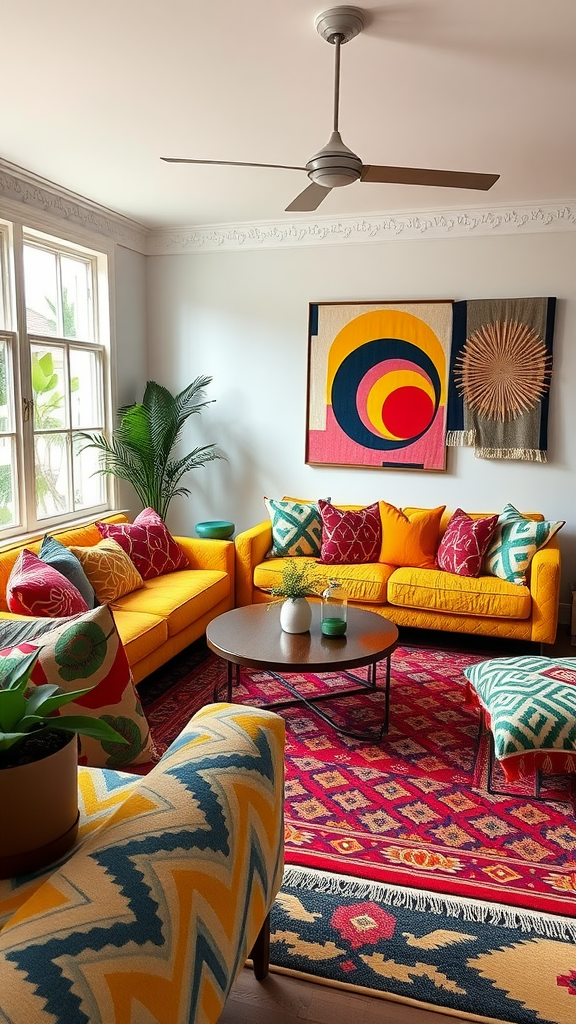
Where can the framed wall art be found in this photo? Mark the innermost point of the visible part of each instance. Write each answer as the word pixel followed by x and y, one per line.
pixel 378 384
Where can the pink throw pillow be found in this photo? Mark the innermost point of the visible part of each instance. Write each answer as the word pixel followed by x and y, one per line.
pixel 352 537
pixel 36 588
pixel 148 543
pixel 464 543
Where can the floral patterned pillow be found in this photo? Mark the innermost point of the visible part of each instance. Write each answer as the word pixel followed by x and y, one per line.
pixel 86 651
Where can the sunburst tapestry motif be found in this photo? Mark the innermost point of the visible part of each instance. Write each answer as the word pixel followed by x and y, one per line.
pixel 501 367
pixel 503 370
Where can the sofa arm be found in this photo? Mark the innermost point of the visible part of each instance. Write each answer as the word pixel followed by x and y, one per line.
pixel 544 585
pixel 153 916
pixel 209 554
pixel 251 548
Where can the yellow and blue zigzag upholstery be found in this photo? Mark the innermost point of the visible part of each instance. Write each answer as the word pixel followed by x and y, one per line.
pixel 152 915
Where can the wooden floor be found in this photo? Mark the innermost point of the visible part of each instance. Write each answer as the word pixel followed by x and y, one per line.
pixel 285 1000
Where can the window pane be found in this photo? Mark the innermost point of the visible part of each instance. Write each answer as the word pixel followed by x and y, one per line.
pixel 52 488
pixel 75 298
pixel 86 389
pixel 8 489
pixel 89 489
pixel 6 388
pixel 49 387
pixel 41 291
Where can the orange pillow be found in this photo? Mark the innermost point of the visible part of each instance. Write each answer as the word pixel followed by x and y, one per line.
pixel 409 538
pixel 109 569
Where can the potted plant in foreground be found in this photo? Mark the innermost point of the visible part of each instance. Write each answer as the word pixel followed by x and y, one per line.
pixel 38 767
pixel 299 581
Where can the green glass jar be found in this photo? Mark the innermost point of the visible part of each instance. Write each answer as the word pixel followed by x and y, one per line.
pixel 334 611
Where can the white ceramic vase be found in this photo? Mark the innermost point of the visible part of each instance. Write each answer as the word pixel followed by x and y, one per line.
pixel 295 615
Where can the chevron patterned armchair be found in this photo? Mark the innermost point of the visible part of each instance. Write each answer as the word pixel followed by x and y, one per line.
pixel 167 892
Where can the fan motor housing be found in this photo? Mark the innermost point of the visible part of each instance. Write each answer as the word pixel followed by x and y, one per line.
pixel 334 165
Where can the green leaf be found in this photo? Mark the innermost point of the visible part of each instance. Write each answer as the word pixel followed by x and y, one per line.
pixel 97 728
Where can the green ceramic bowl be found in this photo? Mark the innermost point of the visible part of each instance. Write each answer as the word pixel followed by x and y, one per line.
pixel 215 529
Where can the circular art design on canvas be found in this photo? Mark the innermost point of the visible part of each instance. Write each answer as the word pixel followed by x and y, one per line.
pixel 503 370
pixel 386 386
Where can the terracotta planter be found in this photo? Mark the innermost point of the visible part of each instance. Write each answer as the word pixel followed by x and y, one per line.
pixel 39 804
pixel 295 615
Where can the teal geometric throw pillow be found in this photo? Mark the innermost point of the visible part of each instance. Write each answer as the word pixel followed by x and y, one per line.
pixel 296 528
pixel 515 542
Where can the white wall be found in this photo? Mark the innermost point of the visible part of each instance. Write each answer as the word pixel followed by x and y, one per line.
pixel 242 318
pixel 131 342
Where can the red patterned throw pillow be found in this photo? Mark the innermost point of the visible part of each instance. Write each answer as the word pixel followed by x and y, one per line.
pixel 36 588
pixel 352 537
pixel 148 543
pixel 464 543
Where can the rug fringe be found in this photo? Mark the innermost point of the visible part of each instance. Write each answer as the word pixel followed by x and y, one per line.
pixel 436 903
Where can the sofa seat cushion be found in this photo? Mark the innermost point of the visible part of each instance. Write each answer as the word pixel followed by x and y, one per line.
pixel 364 582
pixel 179 597
pixel 460 595
pixel 140 632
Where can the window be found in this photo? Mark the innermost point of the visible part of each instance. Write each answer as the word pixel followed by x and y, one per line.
pixel 54 379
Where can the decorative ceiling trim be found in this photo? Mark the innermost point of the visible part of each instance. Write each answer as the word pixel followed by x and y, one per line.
pixel 520 219
pixel 19 187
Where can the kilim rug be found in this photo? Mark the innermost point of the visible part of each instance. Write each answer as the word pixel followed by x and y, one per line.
pixel 410 811
pixel 433 952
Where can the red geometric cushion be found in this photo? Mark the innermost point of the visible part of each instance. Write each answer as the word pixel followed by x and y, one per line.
pixel 36 588
pixel 148 543
pixel 350 537
pixel 463 545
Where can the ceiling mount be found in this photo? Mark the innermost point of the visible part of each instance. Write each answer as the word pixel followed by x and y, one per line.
pixel 345 22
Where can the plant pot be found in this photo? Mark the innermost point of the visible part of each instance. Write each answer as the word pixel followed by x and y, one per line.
pixel 295 615
pixel 39 804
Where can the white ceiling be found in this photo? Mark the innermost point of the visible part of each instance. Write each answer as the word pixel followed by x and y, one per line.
pixel 94 92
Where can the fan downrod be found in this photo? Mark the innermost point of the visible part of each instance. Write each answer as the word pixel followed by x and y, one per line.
pixel 345 22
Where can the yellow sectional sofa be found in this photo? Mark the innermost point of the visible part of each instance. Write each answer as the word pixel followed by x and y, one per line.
pixel 426 598
pixel 168 612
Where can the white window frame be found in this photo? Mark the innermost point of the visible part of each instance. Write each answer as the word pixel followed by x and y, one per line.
pixel 14 233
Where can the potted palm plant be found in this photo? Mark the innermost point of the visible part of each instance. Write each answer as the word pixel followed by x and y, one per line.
pixel 141 448
pixel 38 767
pixel 299 582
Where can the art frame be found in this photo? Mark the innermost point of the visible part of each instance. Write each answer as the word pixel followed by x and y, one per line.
pixel 378 376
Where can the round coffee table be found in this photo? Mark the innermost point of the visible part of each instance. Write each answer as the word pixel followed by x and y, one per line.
pixel 253 638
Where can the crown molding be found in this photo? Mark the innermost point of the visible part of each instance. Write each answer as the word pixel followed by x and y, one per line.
pixel 20 188
pixel 463 223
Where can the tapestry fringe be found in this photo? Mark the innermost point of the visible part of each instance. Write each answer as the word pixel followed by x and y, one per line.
pixel 525 454
pixel 423 900
pixel 460 438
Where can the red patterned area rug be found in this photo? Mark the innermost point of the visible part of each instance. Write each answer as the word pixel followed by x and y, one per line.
pixel 411 810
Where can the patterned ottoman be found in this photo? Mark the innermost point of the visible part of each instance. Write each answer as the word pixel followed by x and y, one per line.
pixel 529 706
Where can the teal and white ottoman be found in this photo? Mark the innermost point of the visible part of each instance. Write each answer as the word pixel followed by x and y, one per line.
pixel 529 707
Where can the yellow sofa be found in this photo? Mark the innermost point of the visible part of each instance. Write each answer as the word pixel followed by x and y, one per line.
pixel 426 598
pixel 168 612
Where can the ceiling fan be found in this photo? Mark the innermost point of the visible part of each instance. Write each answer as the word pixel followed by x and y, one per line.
pixel 335 165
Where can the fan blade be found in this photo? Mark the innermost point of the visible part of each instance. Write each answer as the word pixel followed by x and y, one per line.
pixel 309 199
pixel 421 176
pixel 228 163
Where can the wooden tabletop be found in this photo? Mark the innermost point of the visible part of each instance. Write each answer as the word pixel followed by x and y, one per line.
pixel 252 636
